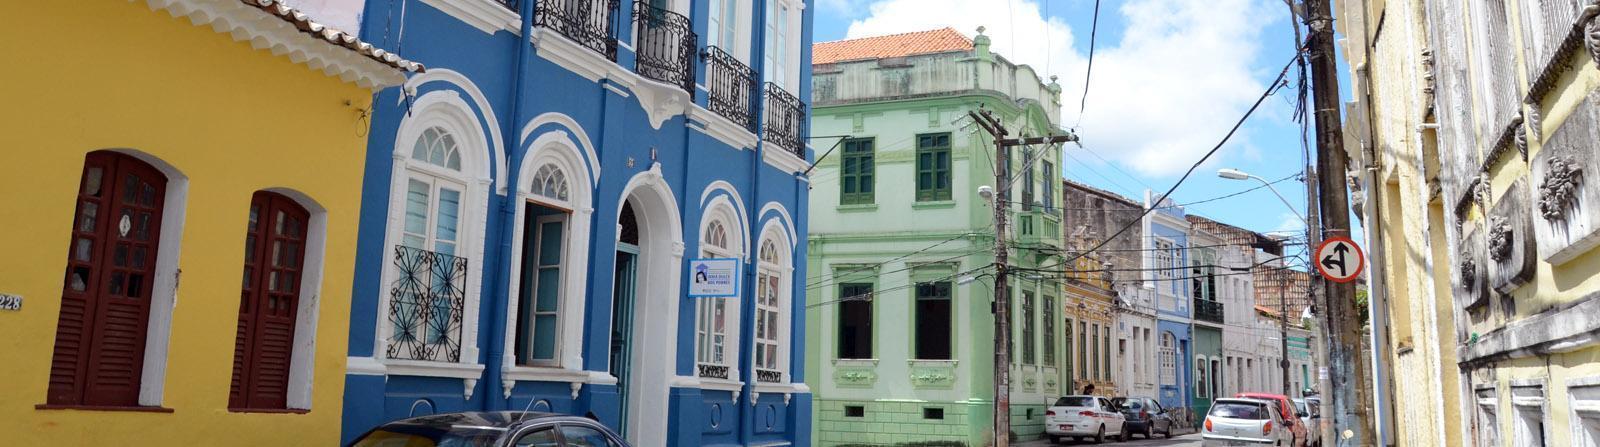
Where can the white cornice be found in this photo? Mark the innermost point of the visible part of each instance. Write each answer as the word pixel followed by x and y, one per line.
pixel 267 32
pixel 721 128
pixel 660 101
pixel 485 15
pixel 780 158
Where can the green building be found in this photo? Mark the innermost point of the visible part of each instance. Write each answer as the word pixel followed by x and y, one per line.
pixel 899 331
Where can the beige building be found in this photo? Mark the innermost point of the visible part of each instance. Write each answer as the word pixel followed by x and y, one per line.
pixel 1473 135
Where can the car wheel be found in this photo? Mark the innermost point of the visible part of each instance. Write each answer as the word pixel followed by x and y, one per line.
pixel 1168 432
pixel 1149 432
pixel 1055 439
pixel 1100 436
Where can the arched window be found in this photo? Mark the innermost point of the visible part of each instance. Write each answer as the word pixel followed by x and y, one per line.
pixel 111 273
pixel 429 292
pixel 269 302
pixel 717 319
pixel 1169 359
pixel 540 291
pixel 771 326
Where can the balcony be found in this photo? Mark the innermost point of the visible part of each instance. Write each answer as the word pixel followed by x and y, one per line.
pixel 590 23
pixel 664 45
pixel 425 303
pixel 786 119
pixel 733 88
pixel 1207 310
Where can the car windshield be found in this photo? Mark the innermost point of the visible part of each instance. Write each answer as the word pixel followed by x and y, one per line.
pixel 1239 410
pixel 1075 401
pixel 1300 406
pixel 413 436
pixel 1132 405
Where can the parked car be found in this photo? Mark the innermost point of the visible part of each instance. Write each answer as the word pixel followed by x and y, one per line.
pixel 1311 419
pixel 1286 412
pixel 1083 417
pixel 1236 422
pixel 491 429
pixel 1144 416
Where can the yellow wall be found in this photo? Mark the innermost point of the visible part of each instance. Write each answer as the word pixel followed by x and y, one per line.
pixel 82 76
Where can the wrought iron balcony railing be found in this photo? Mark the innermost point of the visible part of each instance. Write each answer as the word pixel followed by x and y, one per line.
pixel 769 376
pixel 664 45
pixel 733 88
pixel 591 23
pixel 425 304
pixel 712 371
pixel 1207 310
pixel 786 119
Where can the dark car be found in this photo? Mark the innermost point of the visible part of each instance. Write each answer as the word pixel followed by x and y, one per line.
pixel 1144 416
pixel 491 429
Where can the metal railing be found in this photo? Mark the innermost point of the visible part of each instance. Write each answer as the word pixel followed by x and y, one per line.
pixel 786 119
pixel 712 371
pixel 425 304
pixel 769 376
pixel 590 23
pixel 732 85
pixel 664 45
pixel 1207 310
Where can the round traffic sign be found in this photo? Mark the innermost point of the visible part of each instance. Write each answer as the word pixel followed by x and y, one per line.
pixel 1340 259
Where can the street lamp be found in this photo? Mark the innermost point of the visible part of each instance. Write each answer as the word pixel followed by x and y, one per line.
pixel 1283 302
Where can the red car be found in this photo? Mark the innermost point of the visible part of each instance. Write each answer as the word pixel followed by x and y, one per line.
pixel 1286 410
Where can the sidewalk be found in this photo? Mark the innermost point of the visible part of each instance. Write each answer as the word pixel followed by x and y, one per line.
pixel 1176 432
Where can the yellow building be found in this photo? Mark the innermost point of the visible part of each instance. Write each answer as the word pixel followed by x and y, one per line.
pixel 1474 134
pixel 1089 311
pixel 181 182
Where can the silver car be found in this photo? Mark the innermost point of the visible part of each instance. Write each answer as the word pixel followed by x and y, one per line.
pixel 1237 422
pixel 1311 418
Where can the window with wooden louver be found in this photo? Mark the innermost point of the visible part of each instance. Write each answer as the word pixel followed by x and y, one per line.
pixel 105 300
pixel 269 300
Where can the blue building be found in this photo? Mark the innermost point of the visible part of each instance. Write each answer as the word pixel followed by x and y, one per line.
pixel 532 204
pixel 1166 243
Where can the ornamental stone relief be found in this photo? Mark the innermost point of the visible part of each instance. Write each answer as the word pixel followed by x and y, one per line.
pixel 1591 38
pixel 1520 138
pixel 1511 240
pixel 855 377
pixel 933 375
pixel 1472 282
pixel 1568 202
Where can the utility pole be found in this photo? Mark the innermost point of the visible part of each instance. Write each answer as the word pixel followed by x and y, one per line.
pixel 1283 328
pixel 1350 391
pixel 1002 302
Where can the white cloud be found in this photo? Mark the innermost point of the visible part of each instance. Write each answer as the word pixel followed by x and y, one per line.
pixel 1178 78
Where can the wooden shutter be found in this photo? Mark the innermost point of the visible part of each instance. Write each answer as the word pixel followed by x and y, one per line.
pixel 268 302
pixel 105 301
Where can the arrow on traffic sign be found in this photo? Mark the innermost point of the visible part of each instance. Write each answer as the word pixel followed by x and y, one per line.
pixel 1330 261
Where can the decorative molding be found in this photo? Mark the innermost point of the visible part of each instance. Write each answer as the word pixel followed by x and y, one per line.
pixel 575 387
pixel 1578 34
pixel 1511 240
pixel 1563 329
pixel 1558 192
pixel 485 15
pixel 721 128
pixel 787 162
pixel 1520 139
pixel 1471 285
pixel 468 385
pixel 265 31
pixel 1591 39
pixel 364 366
pixel 932 373
pixel 1534 120
pixel 1502 143
pixel 418 368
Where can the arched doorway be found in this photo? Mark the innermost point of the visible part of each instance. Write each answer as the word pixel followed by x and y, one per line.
pixel 645 299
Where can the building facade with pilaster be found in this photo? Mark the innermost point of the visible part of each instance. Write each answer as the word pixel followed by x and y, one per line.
pixel 536 203
pixel 900 329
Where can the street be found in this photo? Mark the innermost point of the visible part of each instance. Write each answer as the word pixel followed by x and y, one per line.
pixel 1188 440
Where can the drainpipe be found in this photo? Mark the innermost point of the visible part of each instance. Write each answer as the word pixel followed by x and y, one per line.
pixel 498 300
pixel 758 30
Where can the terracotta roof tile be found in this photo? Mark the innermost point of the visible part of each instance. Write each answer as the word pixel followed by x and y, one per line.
pixel 894 45
pixel 349 41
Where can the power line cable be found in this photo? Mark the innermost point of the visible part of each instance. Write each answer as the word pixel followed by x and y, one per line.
pixel 1094 27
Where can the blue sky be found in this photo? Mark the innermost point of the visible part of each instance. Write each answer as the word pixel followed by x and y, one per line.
pixel 1170 77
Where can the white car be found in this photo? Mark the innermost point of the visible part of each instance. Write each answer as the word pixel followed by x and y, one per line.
pixel 1236 422
pixel 1083 417
pixel 1311 418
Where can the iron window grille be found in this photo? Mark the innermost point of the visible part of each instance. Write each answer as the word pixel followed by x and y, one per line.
pixel 733 88
pixel 665 44
pixel 769 376
pixel 786 118
pixel 425 305
pixel 590 23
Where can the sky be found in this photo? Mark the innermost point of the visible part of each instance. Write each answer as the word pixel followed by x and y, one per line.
pixel 1170 77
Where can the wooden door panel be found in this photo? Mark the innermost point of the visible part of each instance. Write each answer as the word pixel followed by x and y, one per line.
pixel 269 303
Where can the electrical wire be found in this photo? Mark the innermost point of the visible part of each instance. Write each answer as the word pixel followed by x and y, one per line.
pixel 1094 27
pixel 837 280
pixel 907 255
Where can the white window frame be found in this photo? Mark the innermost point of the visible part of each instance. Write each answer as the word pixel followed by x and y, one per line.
pixel 1583 402
pixel 784 268
pixel 787 58
pixel 722 212
pixel 1530 397
pixel 719 28
pixel 1168 356
pixel 444 109
pixel 561 149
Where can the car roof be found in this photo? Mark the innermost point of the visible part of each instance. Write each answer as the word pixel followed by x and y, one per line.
pixel 1245 400
pixel 487 419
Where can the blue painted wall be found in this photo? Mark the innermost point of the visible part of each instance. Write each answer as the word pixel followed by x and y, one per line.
pixel 518 84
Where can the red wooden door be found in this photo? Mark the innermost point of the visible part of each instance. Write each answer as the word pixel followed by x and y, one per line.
pixel 268 301
pixel 105 302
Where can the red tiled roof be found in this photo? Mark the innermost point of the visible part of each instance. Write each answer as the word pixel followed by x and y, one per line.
pixel 894 45
pixel 319 31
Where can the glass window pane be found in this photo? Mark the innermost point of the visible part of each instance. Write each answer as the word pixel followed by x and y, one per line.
pixel 550 243
pixel 549 292
pixel 416 220
pixel 541 438
pixel 544 336
pixel 577 436
pixel 449 214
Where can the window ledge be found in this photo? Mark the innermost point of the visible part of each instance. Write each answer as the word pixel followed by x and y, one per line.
pixel 103 408
pixel 855 362
pixel 922 362
pixel 707 383
pixel 782 388
pixel 544 374
pixel 857 207
pixel 433 369
pixel 270 410
pixel 933 204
